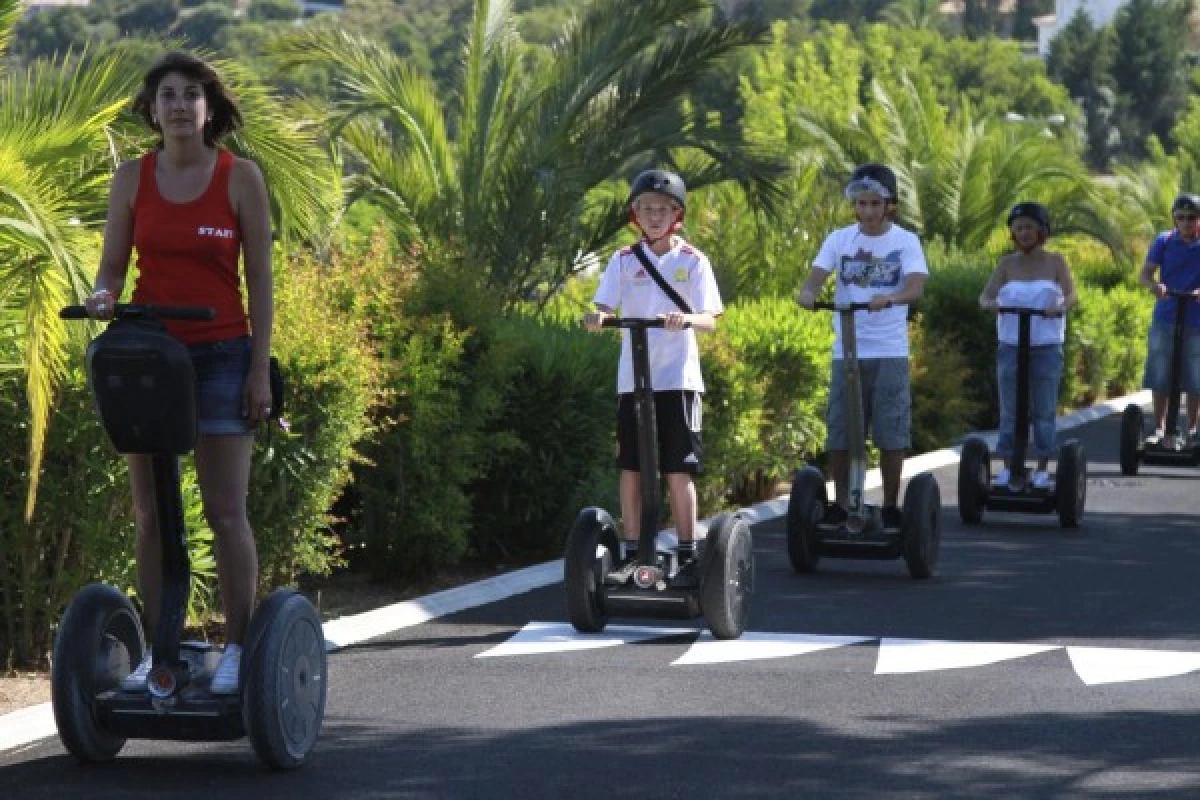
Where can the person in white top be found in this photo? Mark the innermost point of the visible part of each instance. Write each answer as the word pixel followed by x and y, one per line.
pixel 877 262
pixel 1032 277
pixel 657 201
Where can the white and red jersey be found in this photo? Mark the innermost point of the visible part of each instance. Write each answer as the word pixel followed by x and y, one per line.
pixel 625 285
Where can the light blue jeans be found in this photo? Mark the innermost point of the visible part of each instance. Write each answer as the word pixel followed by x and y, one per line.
pixel 1045 371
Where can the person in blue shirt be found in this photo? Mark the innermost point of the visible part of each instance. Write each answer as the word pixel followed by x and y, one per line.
pixel 1173 263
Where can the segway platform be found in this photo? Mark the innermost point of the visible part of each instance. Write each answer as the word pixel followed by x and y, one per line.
pixel 143 383
pixel 599 584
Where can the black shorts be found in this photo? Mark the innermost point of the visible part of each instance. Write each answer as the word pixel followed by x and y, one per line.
pixel 678 418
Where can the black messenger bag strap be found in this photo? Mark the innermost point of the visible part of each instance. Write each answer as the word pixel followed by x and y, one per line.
pixel 676 298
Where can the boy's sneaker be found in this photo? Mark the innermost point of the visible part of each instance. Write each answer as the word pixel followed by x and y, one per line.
pixel 1002 477
pixel 1041 480
pixel 225 679
pixel 136 680
pixel 1156 437
pixel 893 518
pixel 835 515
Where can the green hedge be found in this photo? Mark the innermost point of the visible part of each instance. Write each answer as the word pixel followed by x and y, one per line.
pixel 766 368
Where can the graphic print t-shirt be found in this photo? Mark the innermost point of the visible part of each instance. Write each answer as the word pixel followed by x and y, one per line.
pixel 862 267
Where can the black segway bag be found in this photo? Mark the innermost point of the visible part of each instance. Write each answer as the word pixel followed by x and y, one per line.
pixel 144 386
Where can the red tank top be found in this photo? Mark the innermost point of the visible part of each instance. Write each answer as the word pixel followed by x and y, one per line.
pixel 187 253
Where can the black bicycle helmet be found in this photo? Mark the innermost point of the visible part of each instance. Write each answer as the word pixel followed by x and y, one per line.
pixel 662 181
pixel 1034 211
pixel 877 178
pixel 1186 202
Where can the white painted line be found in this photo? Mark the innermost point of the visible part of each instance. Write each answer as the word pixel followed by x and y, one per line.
pixel 899 656
pixel 758 646
pixel 26 725
pixel 1097 665
pixel 538 638
pixel 30 724
pixel 357 628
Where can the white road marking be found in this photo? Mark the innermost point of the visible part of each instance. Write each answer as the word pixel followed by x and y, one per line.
pixel 538 638
pixel 758 646
pixel 1097 665
pixel 897 656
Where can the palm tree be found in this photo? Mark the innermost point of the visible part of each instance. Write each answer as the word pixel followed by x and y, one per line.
pixel 923 15
pixel 62 125
pixel 958 175
pixel 525 185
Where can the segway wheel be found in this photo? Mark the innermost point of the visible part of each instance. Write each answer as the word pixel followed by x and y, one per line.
pixel 1131 439
pixel 1071 483
pixel 284 679
pixel 974 478
pixel 98 643
pixel 591 550
pixel 805 510
pixel 922 526
pixel 729 577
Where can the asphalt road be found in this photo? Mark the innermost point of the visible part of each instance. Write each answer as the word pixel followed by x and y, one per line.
pixel 856 681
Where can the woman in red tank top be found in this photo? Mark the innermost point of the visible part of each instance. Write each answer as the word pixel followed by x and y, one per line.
pixel 190 209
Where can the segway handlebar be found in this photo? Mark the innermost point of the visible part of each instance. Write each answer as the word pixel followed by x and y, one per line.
pixel 1033 312
pixel 142 311
pixel 823 306
pixel 635 322
pixel 1177 293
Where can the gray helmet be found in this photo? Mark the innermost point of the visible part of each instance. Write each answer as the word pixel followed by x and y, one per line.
pixel 877 178
pixel 1186 202
pixel 1034 211
pixel 662 181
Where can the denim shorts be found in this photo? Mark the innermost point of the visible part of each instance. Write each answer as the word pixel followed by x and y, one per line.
pixel 887 404
pixel 1157 375
pixel 221 369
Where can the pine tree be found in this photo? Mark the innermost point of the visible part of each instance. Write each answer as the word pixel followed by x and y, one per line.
pixel 1148 68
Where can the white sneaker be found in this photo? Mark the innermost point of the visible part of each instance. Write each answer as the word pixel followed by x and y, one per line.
pixel 225 679
pixel 1002 477
pixel 136 680
pixel 1156 437
pixel 1041 480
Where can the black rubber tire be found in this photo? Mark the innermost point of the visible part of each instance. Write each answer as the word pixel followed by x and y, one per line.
pixel 922 526
pixel 729 576
pixel 806 507
pixel 285 678
pixel 99 642
pixel 584 570
pixel 1131 439
pixel 974 478
pixel 1071 483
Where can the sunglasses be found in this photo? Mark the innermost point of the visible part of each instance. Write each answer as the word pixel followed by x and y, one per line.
pixel 1186 217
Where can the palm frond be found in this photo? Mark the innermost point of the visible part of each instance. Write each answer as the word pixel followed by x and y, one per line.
pixel 10 14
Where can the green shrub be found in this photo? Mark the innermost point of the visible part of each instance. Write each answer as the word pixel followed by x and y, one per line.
pixel 551 443
pixel 334 382
pixel 770 375
pixel 952 322
pixel 942 412
pixel 1106 344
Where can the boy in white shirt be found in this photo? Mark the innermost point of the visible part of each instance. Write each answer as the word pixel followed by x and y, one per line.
pixel 657 201
pixel 878 262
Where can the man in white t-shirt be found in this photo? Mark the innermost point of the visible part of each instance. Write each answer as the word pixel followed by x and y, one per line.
pixel 878 262
pixel 657 201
